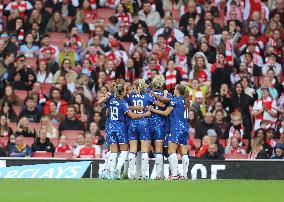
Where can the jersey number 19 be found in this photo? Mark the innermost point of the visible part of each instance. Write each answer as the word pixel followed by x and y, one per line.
pixel 114 113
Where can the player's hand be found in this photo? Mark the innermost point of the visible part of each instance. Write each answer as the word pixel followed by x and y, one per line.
pixel 148 113
pixel 166 92
pixel 150 108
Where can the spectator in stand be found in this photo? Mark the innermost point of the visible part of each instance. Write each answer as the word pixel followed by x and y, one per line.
pixel 24 128
pixel 24 7
pixel 270 134
pixel 63 146
pixel 42 143
pixel 237 124
pixel 99 139
pixel 88 150
pixel 61 105
pixel 46 124
pixel 247 88
pixel 3 152
pixel 47 46
pixel 98 119
pixel 23 77
pixel 20 149
pixel 149 15
pixel 264 109
pixel 66 65
pixel 257 150
pixel 30 111
pixel 204 145
pixel 8 111
pixel 49 57
pixel 10 143
pixel 278 151
pixel 233 147
pixel 212 153
pixel 10 97
pixel 204 125
pixel 43 74
pixel 214 139
pixel 57 23
pixel 5 130
pixel 261 134
pixel 29 48
pixel 80 141
pixel 219 121
pixel 70 122
pixel 79 23
pixel 55 116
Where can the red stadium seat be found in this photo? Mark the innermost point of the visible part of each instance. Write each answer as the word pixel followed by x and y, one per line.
pixel 58 39
pixel 105 13
pixel 40 154
pixel 235 156
pixel 63 155
pixel 22 94
pixel 4 139
pixel 13 125
pixel 17 109
pixel 84 37
pixel 45 88
pixel 54 141
pixel 29 140
pixel 71 133
pixel 5 2
pixel 35 126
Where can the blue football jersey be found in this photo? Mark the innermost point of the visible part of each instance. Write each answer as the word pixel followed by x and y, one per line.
pixel 117 110
pixel 167 126
pixel 143 100
pixel 178 117
pixel 157 118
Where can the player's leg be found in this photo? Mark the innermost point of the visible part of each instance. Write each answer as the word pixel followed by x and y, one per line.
pixel 159 161
pixel 138 161
pixel 113 159
pixel 145 144
pixel 132 157
pixel 123 147
pixel 121 158
pixel 185 160
pixel 106 167
pixel 184 154
pixel 133 139
pixel 159 144
pixel 173 159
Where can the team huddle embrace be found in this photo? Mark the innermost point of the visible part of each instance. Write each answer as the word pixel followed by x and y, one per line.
pixel 141 119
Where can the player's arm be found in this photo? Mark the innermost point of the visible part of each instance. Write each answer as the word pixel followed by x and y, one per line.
pixel 136 107
pixel 138 116
pixel 103 99
pixel 164 113
pixel 163 99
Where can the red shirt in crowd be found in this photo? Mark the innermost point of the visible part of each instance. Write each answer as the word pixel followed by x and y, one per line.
pixel 87 152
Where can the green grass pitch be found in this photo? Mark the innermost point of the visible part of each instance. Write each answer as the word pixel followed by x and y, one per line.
pixel 85 190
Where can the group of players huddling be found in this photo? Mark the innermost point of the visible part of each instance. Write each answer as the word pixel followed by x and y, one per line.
pixel 139 115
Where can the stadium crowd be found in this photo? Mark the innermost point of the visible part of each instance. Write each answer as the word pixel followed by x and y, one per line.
pixel 58 58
